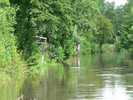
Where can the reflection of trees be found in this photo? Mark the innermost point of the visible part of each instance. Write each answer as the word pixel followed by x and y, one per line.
pixel 28 90
pixel 128 80
pixel 58 89
pixel 8 91
pixel 113 74
pixel 75 61
pixel 106 76
pixel 51 87
pixel 100 59
pixel 88 81
pixel 90 76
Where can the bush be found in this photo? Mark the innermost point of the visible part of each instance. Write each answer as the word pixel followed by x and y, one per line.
pixel 10 61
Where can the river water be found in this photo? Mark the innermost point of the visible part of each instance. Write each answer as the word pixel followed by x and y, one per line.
pixel 100 77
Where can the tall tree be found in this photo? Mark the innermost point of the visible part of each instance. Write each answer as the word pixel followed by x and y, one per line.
pixel 24 29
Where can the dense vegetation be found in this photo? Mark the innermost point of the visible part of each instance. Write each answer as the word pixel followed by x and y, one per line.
pixel 10 61
pixel 65 23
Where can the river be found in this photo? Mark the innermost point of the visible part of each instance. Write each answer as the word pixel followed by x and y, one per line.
pixel 100 77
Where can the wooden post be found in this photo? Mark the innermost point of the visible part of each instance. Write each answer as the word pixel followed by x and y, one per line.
pixel 78 54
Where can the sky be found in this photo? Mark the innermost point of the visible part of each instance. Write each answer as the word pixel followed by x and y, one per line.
pixel 117 2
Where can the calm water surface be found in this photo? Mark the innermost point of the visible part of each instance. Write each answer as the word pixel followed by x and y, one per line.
pixel 102 77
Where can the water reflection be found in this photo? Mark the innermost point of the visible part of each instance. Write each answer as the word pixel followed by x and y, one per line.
pixel 8 91
pixel 98 78
pixel 113 88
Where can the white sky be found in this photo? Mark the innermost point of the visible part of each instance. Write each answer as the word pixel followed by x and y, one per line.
pixel 117 2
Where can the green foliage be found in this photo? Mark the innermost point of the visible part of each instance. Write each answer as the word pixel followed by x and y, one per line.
pixel 24 30
pixel 7 47
pixel 86 12
pixel 103 32
pixel 127 37
pixel 4 2
pixel 65 23
pixel 51 19
pixel 55 20
pixel 121 18
pixel 10 61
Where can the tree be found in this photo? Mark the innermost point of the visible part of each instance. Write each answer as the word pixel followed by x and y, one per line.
pixel 85 15
pixel 126 38
pixel 24 30
pixel 121 18
pixel 54 20
pixel 103 32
